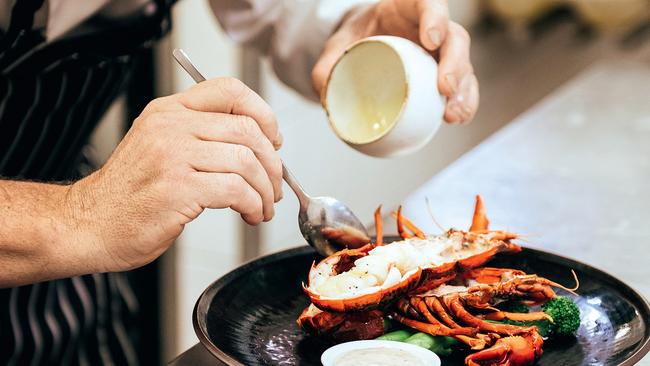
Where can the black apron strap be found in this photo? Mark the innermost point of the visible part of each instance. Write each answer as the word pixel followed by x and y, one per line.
pixel 22 14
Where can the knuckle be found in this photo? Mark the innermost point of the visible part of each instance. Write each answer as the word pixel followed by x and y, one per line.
pixel 460 31
pixel 276 170
pixel 159 104
pixel 247 128
pixel 245 156
pixel 233 86
pixel 234 185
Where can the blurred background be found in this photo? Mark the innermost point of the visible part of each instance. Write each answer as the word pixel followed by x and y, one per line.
pixel 522 51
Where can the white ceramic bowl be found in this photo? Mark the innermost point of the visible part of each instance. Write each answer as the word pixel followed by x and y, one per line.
pixel 427 357
pixel 382 96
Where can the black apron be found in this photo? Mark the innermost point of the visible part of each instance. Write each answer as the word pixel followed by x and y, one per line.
pixel 52 96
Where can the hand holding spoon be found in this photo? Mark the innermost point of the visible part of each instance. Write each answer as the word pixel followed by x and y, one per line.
pixel 326 223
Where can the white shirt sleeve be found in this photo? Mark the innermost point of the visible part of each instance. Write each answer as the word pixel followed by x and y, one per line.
pixel 291 32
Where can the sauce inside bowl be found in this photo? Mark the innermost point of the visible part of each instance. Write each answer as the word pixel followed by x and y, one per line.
pixel 380 356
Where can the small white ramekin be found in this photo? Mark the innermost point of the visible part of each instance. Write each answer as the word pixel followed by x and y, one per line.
pixel 428 358
pixel 390 77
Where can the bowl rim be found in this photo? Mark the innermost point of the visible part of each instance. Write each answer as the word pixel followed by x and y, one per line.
pixel 330 355
pixel 386 41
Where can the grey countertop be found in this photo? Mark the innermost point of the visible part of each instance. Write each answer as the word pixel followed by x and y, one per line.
pixel 572 174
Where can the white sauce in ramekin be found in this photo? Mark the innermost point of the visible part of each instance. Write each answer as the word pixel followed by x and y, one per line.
pixel 378 353
pixel 381 356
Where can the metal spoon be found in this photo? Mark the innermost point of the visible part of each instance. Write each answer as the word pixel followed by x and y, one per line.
pixel 326 223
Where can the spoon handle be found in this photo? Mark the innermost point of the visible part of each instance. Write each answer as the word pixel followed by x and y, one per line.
pixel 303 198
pixel 181 57
pixel 184 60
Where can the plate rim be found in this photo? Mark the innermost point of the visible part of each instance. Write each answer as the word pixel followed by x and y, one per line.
pixel 255 262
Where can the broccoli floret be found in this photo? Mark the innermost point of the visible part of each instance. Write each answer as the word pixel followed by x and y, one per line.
pixel 514 307
pixel 565 314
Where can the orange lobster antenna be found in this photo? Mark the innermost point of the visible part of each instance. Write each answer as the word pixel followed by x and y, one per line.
pixel 426 199
pixel 479 221
pixel 400 225
pixel 378 227
pixel 411 226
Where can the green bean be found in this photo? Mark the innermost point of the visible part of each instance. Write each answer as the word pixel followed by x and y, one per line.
pixel 398 335
pixel 421 339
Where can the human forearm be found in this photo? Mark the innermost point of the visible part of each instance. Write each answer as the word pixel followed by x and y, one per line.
pixel 36 238
pixel 212 146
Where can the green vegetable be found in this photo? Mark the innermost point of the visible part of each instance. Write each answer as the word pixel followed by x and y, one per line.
pixel 421 339
pixel 398 335
pixel 442 346
pixel 565 314
pixel 544 327
pixel 514 307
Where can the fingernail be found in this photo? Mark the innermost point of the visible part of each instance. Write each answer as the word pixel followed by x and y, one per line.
pixel 455 115
pixel 434 37
pixel 277 143
pixel 453 83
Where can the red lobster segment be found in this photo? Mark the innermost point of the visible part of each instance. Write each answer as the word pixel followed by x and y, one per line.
pixel 450 295
pixel 458 251
pixel 467 314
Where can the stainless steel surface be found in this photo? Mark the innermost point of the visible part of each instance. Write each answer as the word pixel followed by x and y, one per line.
pixel 322 220
pixel 573 173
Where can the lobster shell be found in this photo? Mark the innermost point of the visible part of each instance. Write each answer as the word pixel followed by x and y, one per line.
pixel 417 280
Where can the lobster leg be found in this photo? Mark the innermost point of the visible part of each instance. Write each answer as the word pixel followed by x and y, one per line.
pixel 519 317
pixel 433 329
pixel 421 306
pixel 378 227
pixel 434 304
pixel 405 307
pixel 490 275
pixel 455 306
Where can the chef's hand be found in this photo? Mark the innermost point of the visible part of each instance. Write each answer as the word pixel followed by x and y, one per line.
pixel 212 146
pixel 425 22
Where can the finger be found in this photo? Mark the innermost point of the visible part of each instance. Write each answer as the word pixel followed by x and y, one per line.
pixel 219 157
pixel 462 106
pixel 333 49
pixel 240 130
pixel 229 95
pixel 163 104
pixel 216 190
pixel 454 60
pixel 456 79
pixel 434 20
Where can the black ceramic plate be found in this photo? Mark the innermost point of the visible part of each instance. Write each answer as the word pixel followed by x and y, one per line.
pixel 249 316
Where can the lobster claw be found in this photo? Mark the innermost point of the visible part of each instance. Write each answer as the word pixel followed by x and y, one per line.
pixel 509 351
